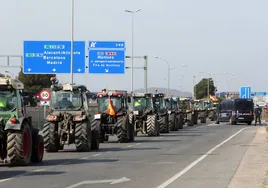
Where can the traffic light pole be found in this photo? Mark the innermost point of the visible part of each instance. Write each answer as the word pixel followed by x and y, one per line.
pixel 145 68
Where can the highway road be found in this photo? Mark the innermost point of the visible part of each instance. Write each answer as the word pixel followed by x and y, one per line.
pixel 203 156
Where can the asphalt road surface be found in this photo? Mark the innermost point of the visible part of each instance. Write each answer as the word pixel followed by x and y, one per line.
pixel 203 156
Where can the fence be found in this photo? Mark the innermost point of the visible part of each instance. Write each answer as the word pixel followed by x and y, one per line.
pixel 38 115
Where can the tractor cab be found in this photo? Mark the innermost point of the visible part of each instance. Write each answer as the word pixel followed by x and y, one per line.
pixel 11 101
pixel 171 103
pixel 141 102
pixel 118 99
pixel 68 97
pixel 159 103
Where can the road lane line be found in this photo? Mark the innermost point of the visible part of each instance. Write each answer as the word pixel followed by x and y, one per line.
pixel 98 154
pixel 189 167
pixel 138 144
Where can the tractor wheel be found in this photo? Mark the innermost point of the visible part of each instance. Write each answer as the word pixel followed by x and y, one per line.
pixel 180 121
pixel 95 130
pixel 51 141
pixel 122 126
pixel 83 136
pixel 19 146
pixel 203 119
pixel 164 125
pixel 37 147
pixel 153 127
pixel 131 129
pixel 172 122
pixel 195 118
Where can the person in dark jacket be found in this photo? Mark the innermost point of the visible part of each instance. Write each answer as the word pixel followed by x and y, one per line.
pixel 257 113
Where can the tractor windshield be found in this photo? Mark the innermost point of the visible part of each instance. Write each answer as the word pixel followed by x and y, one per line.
pixel 103 103
pixel 184 104
pixel 66 100
pixel 171 104
pixel 158 103
pixel 8 100
pixel 141 103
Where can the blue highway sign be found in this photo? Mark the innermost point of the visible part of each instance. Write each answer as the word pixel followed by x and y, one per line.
pixel 106 57
pixel 53 57
pixel 245 92
pixel 106 44
pixel 260 94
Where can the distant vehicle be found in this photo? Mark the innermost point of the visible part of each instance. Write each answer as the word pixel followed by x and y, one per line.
pixel 236 111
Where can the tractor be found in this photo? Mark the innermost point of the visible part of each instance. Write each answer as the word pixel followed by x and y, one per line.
pixel 20 142
pixel 161 110
pixel 198 106
pixel 190 115
pixel 113 116
pixel 143 115
pixel 175 114
pixel 70 120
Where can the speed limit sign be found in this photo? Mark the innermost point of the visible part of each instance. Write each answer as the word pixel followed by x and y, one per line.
pixel 45 95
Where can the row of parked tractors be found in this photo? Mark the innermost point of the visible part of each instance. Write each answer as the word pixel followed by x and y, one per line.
pixel 78 116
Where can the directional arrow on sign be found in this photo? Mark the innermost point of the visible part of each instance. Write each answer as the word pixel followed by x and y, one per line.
pixel 106 70
pixel 79 70
pixel 29 69
pixel 54 70
pixel 111 181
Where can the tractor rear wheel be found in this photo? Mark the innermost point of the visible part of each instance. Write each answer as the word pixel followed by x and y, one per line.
pixel 153 126
pixel 83 136
pixel 124 130
pixel 37 147
pixel 95 129
pixel 19 146
pixel 51 140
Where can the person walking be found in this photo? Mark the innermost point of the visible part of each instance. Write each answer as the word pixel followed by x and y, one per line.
pixel 257 113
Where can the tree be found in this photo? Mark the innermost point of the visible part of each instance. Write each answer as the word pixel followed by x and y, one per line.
pixel 35 82
pixel 201 89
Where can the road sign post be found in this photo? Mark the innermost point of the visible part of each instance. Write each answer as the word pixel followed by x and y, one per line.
pixel 53 57
pixel 106 57
pixel 245 92
pixel 44 100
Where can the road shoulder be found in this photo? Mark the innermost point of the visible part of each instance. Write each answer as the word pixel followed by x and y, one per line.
pixel 253 168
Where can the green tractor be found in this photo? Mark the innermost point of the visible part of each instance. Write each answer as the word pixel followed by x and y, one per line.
pixel 143 114
pixel 175 114
pixel 189 114
pixel 161 111
pixel 214 112
pixel 20 142
pixel 199 108
pixel 70 119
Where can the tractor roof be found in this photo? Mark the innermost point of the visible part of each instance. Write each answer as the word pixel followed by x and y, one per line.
pixel 113 93
pixel 69 87
pixel 159 95
pixel 142 94
pixel 15 83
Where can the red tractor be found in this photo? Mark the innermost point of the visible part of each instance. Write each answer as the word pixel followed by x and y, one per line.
pixel 112 116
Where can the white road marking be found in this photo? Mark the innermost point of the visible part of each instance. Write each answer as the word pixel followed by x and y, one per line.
pixel 138 144
pixel 111 181
pixel 7 179
pixel 98 154
pixel 189 167
pixel 39 170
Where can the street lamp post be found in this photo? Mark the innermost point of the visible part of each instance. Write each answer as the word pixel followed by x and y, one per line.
pixel 169 69
pixel 132 50
pixel 72 43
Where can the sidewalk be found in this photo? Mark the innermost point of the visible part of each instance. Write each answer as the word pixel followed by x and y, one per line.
pixel 253 169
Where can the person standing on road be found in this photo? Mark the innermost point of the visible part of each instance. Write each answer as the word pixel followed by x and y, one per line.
pixel 257 113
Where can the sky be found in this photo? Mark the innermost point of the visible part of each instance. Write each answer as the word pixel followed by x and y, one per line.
pixel 209 36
